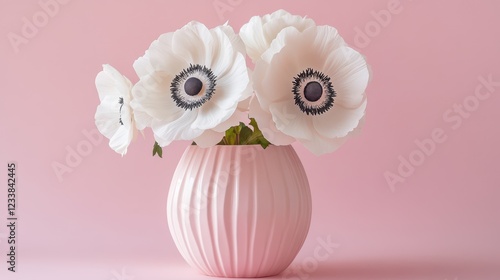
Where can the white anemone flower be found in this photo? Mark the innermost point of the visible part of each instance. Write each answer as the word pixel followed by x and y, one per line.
pixel 191 84
pixel 259 32
pixel 310 86
pixel 114 117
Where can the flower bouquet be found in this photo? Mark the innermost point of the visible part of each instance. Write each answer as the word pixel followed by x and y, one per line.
pixel 239 204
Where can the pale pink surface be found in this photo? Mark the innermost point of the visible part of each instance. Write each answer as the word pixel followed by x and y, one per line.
pixel 442 222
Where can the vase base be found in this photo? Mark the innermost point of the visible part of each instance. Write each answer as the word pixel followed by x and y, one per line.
pixel 262 275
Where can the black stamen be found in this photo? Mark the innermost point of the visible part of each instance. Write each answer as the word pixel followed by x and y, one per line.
pixel 317 84
pixel 120 101
pixel 192 87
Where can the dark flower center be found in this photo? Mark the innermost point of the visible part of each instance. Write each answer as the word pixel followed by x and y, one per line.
pixel 313 92
pixel 193 86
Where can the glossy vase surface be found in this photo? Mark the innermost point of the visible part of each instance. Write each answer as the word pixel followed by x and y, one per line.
pixel 239 211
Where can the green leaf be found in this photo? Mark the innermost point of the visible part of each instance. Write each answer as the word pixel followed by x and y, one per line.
pixel 222 141
pixel 230 136
pixel 255 126
pixel 237 129
pixel 257 137
pixel 245 134
pixel 157 150
pixel 263 141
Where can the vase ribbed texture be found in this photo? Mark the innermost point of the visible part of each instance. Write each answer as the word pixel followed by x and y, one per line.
pixel 239 211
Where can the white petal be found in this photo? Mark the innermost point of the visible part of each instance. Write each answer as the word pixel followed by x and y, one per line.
pixel 280 41
pixel 284 18
pixel 291 120
pixel 241 112
pixel 338 121
pixel 110 82
pixel 277 25
pixel 235 40
pixel 219 52
pixel 209 138
pixel 259 32
pixel 320 145
pixel 107 116
pixel 162 56
pixel 233 85
pixel 349 76
pixel 143 66
pixel 327 39
pixel 239 115
pixel 210 115
pixel 107 120
pixel 270 88
pixel 141 118
pixel 113 117
pixel 121 139
pixel 179 129
pixel 266 124
pixel 230 68
pixel 152 94
pixel 252 34
pixel 273 81
pixel 190 42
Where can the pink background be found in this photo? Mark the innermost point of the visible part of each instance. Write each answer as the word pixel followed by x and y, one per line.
pixel 106 219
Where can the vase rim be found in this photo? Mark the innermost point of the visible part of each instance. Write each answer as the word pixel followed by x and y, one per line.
pixel 233 146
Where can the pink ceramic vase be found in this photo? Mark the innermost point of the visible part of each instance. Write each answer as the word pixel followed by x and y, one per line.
pixel 239 211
